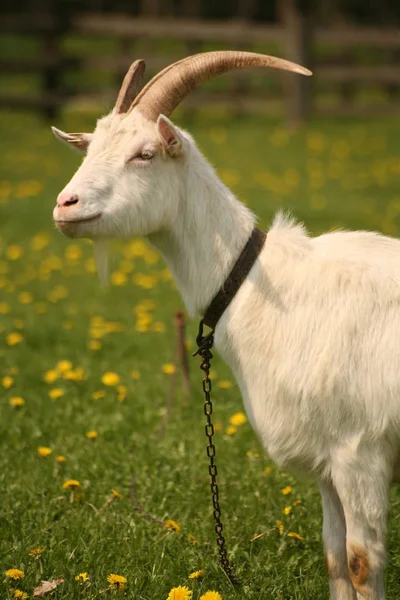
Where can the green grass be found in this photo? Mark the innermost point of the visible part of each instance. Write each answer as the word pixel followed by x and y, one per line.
pixel 334 173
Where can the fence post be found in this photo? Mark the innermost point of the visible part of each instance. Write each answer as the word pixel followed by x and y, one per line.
pixel 298 31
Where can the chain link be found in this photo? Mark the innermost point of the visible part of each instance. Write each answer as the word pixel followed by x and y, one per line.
pixel 205 343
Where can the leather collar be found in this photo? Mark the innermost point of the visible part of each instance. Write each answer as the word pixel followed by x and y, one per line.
pixel 235 279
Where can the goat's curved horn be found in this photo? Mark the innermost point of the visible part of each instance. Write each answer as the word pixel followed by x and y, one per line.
pixel 131 86
pixel 167 89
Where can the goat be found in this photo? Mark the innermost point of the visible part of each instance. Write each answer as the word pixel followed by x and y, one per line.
pixel 312 334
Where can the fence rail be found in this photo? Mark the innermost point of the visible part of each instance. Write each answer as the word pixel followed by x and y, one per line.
pixel 294 39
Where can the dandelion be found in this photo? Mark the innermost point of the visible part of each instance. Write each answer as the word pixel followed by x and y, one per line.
pixel 169 368
pixel 287 490
pixel 196 574
pixel 230 430
pixel 82 577
pixel 116 494
pixel 60 459
pixel 280 526
pixel 56 393
pixel 297 503
pixel 14 338
pixel 170 524
pixel 110 378
pixel 180 593
pixel 122 392
pixel 50 376
pixel 238 419
pixel 295 535
pixel 94 345
pixel 16 401
pixel 15 574
pixel 287 510
pixel 98 394
pixel 71 484
pixel 20 594
pixel 252 454
pixel 4 308
pixel 224 384
pixel 36 552
pixel 7 382
pixel 117 582
pixel 211 595
pixel 91 435
pixel 63 366
pixel 192 539
pixel 14 252
pixel 44 451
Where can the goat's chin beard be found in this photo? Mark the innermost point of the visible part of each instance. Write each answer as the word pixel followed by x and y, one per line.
pixel 101 259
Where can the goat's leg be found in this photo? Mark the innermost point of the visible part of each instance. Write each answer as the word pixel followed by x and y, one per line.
pixel 361 478
pixel 334 536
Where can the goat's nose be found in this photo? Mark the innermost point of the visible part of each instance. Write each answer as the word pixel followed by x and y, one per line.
pixel 66 199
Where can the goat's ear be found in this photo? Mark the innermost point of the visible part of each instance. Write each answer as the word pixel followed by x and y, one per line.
pixel 170 136
pixel 80 141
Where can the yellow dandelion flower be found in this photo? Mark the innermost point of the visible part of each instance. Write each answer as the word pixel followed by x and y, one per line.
pixel 238 419
pixel 118 278
pixel 180 593
pixel 117 582
pixel 280 526
pixel 15 574
pixel 296 502
pixel 196 574
pixel 169 368
pixel 230 430
pixel 116 494
pixel 36 552
pixel 16 401
pixel 295 535
pixel 63 366
pixel 224 384
pixel 20 594
pixel 14 252
pixel 61 459
pixel 7 382
pixel 252 454
pixel 91 435
pixel 56 393
pixel 82 577
pixel 287 510
pixel 122 392
pixel 4 308
pixel 44 451
pixel 50 376
pixel 71 484
pixel 192 539
pixel 170 524
pixel 14 338
pixel 110 378
pixel 211 595
pixel 25 298
pixel 98 394
pixel 94 345
pixel 286 490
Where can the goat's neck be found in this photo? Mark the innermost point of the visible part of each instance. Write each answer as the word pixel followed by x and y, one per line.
pixel 207 237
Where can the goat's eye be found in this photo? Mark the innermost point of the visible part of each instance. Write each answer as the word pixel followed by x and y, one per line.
pixel 146 155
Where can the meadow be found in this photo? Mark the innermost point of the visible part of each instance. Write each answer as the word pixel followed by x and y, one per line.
pixel 85 374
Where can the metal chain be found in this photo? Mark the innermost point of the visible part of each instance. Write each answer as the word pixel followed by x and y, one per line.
pixel 205 343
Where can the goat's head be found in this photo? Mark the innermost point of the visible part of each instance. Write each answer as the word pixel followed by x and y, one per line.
pixel 133 172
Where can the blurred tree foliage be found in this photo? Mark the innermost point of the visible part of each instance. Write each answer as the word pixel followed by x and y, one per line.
pixel 326 11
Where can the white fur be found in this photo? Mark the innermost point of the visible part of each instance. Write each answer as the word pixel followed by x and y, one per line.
pixel 312 336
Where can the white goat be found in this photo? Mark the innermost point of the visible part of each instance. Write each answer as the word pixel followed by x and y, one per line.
pixel 312 336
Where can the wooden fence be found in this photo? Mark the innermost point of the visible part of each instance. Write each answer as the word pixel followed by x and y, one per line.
pixel 341 72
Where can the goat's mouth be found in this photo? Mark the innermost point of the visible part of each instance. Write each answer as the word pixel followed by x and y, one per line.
pixel 66 222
